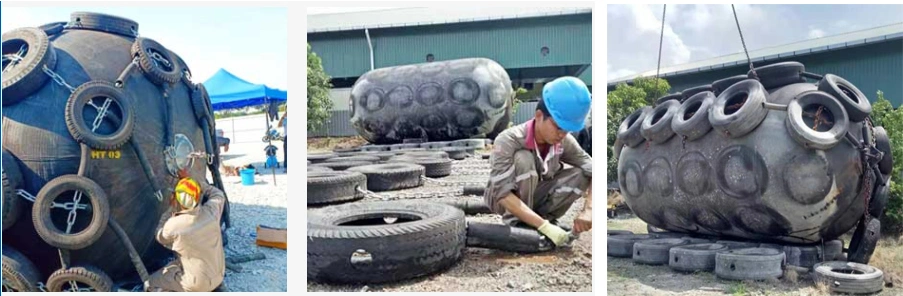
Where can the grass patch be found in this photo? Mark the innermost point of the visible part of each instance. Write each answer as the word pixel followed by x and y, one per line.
pixel 738 289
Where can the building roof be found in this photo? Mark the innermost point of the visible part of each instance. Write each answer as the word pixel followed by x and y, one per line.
pixel 405 17
pixel 810 46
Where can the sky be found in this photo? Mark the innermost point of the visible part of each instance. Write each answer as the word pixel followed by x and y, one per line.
pixel 325 10
pixel 699 32
pixel 252 43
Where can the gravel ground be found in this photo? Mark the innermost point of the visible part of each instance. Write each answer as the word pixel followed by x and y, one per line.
pixel 485 270
pixel 628 278
pixel 263 203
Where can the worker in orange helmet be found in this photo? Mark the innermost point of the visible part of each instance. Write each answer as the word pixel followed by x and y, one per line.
pixel 193 233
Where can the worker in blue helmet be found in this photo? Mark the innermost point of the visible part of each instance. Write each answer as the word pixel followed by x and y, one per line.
pixel 529 183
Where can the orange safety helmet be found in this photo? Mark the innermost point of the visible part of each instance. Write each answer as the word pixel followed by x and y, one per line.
pixel 188 193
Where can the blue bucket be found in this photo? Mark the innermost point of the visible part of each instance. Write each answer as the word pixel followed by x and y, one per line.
pixel 247 177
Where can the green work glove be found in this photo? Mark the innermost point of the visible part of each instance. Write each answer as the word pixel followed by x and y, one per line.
pixel 557 235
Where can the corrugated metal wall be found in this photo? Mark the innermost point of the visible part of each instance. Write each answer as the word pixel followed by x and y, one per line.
pixel 512 43
pixel 870 67
pixel 340 122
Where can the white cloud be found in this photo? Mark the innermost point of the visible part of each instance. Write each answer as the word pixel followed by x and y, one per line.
pixel 619 73
pixel 816 33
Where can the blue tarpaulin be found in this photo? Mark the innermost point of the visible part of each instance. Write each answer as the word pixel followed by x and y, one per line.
pixel 230 92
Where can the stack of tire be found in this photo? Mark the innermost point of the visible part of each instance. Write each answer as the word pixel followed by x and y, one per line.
pixel 767 156
pixel 738 260
pixel 440 101
pixel 97 124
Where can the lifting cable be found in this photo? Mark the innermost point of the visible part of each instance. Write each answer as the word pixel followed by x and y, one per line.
pixel 751 68
pixel 660 39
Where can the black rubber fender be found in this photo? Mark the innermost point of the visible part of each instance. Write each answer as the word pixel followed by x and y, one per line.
pixel 391 176
pixel 27 76
pixel 853 100
pixel 358 254
pixel 43 218
pixel 85 277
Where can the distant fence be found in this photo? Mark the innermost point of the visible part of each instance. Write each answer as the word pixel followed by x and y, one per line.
pixel 339 124
pixel 245 129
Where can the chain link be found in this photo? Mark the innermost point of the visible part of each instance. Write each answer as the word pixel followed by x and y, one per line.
pixel 15 58
pixel 24 194
pixel 70 221
pixel 158 59
pixel 58 79
pixel 42 287
pixel 102 113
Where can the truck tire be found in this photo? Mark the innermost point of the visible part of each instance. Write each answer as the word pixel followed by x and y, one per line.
pixel 159 66
pixel 12 181
pixel 622 245
pixel 456 153
pixel 506 238
pixel 779 74
pixel 80 279
pixel 320 157
pixel 83 131
pixel 355 243
pixel 343 165
pixel 865 239
pixel 391 176
pixel 629 131
pixel 27 75
pixel 849 277
pixel 882 142
pixel 19 273
pixel 43 215
pixel 722 84
pixel 735 245
pixel 694 257
pixel 434 167
pixel 879 200
pixel 354 158
pixel 816 120
pixel 657 126
pixel 655 251
pixel 104 23
pixel 749 264
pixel 334 187
pixel 853 100
pixel 675 96
pixel 692 118
pixel 739 109
pixel 690 92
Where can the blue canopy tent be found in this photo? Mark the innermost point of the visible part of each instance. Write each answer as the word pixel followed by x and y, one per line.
pixel 227 91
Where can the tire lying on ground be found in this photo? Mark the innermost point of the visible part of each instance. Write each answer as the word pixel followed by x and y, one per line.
pixel 733 245
pixel 655 251
pixel 79 279
pixel 612 232
pixel 342 165
pixel 456 153
pixel 622 245
pixel 311 168
pixel 378 242
pixel 749 264
pixel 849 277
pixel 433 145
pixel 473 143
pixel 434 167
pixel 333 187
pixel 695 257
pixel 354 158
pixel 320 157
pixel 391 176
pixel 429 154
pixel 375 148
pixel 19 273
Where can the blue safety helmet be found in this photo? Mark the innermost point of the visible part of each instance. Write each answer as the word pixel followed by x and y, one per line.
pixel 568 101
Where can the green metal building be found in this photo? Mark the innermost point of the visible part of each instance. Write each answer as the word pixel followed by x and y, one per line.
pixel 534 45
pixel 871 59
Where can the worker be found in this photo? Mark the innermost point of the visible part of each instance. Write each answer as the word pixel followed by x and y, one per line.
pixel 283 123
pixel 193 233
pixel 528 184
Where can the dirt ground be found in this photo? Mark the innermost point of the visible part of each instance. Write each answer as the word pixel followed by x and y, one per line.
pixel 627 278
pixel 485 270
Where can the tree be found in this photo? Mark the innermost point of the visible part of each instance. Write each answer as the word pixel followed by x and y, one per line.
pixel 884 114
pixel 622 102
pixel 319 104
